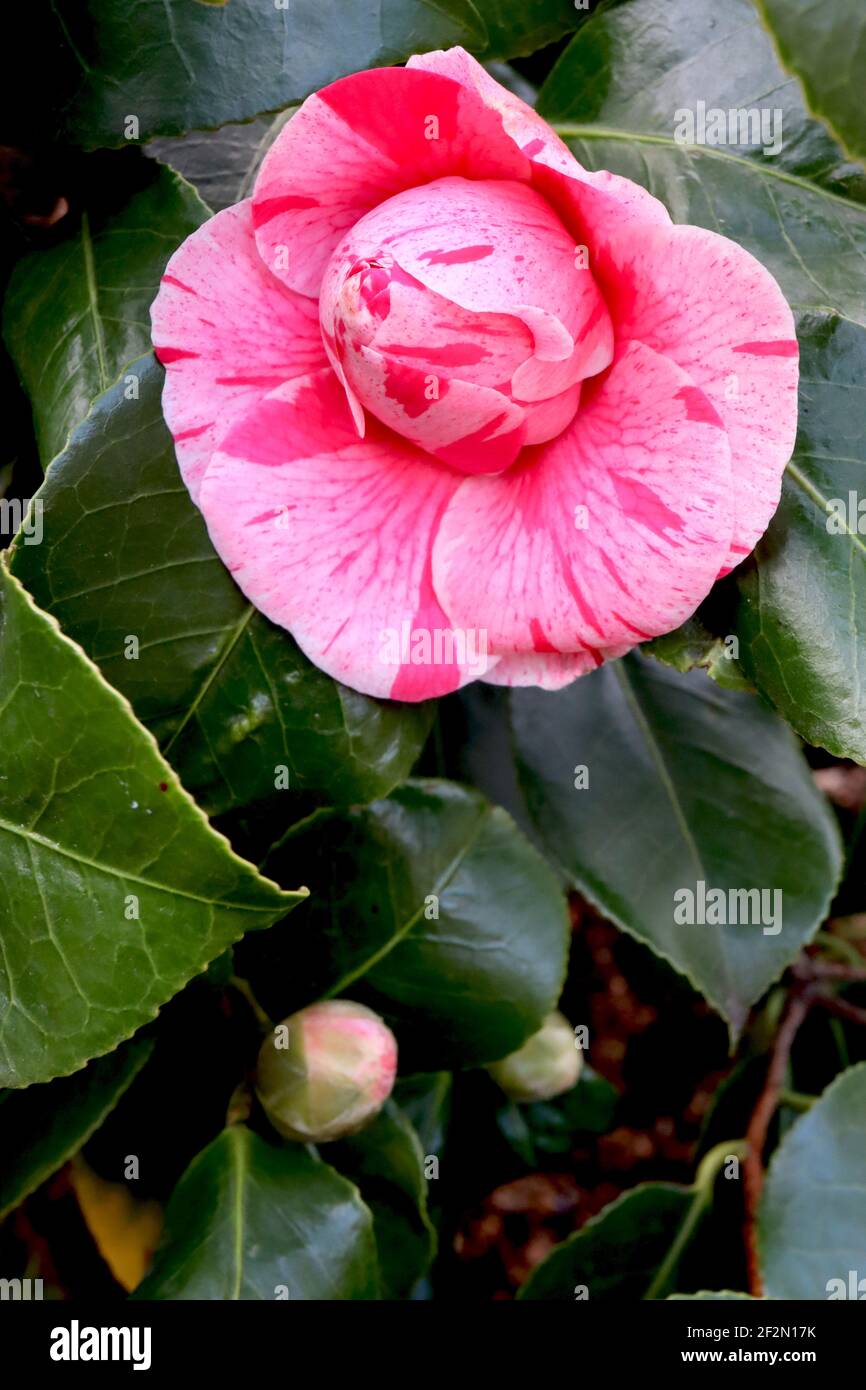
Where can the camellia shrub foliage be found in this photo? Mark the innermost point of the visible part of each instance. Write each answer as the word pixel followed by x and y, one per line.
pixel 432 657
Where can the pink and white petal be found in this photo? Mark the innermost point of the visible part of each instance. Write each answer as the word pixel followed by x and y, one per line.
pixel 331 537
pixel 548 670
pixel 546 419
pixel 493 247
pixel 227 333
pixel 711 307
pixel 610 534
pixel 360 141
pixel 530 132
pixel 554 168
pixel 472 428
pixel 385 308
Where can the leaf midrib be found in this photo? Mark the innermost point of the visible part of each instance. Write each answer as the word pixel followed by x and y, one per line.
pixel 571 131
pixel 402 932
pixel 31 837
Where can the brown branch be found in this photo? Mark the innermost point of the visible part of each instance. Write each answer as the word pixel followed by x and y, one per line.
pixel 809 968
pixel 835 1004
pixel 798 1006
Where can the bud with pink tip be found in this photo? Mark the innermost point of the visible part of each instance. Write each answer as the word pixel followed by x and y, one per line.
pixel 326 1071
pixel 547 1064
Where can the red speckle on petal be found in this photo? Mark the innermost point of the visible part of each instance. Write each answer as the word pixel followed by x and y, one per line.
pixel 461 255
pixel 249 380
pixel 782 347
pixel 698 407
pixel 170 354
pixel 408 387
pixel 178 284
pixel 540 641
pixel 269 208
pixel 640 503
pixel 449 355
pixel 644 636
pixel 533 147
pixel 193 433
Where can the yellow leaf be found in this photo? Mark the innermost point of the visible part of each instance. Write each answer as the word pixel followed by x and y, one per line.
pixel 126 1230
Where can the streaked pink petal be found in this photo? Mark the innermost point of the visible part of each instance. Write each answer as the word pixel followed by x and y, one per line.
pixel 554 168
pixel 529 131
pixel 227 333
pixel 648 460
pixel 705 302
pixel 473 428
pixel 358 142
pixel 548 670
pixel 331 537
pixel 494 247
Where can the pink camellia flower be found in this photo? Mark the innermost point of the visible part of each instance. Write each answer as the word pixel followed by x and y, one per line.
pixel 454 407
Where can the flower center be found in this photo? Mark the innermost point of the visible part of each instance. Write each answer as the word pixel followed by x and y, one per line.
pixel 462 315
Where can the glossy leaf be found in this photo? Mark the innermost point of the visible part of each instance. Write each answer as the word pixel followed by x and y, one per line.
pixel 642 66
pixel 196 52
pixel 812 1224
pixel 616 1255
pixel 803 593
pixel 114 890
pixel 436 904
pixel 425 1100
pixel 43 1126
pixel 825 45
pixel 386 1162
pixel 78 312
pixel 549 1127
pixel 695 645
pixel 221 164
pixel 615 94
pixel 230 696
pixel 687 785
pixel 252 1221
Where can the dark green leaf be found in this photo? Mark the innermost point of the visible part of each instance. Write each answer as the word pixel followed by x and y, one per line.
pixel 825 45
pixel 251 1221
pixel 208 65
pixel 615 94
pixel 550 1127
pixel 387 1162
pixel 425 1100
pixel 693 644
pixel 230 696
pixel 78 312
pixel 221 164
pixel 804 591
pixel 437 902
pixel 42 1126
pixel 688 784
pixel 617 1253
pixel 812 1223
pixel 114 890
pixel 639 67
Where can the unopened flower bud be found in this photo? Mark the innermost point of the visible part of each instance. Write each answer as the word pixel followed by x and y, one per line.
pixel 326 1071
pixel 547 1064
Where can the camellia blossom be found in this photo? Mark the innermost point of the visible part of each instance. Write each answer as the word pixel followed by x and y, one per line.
pixel 454 407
